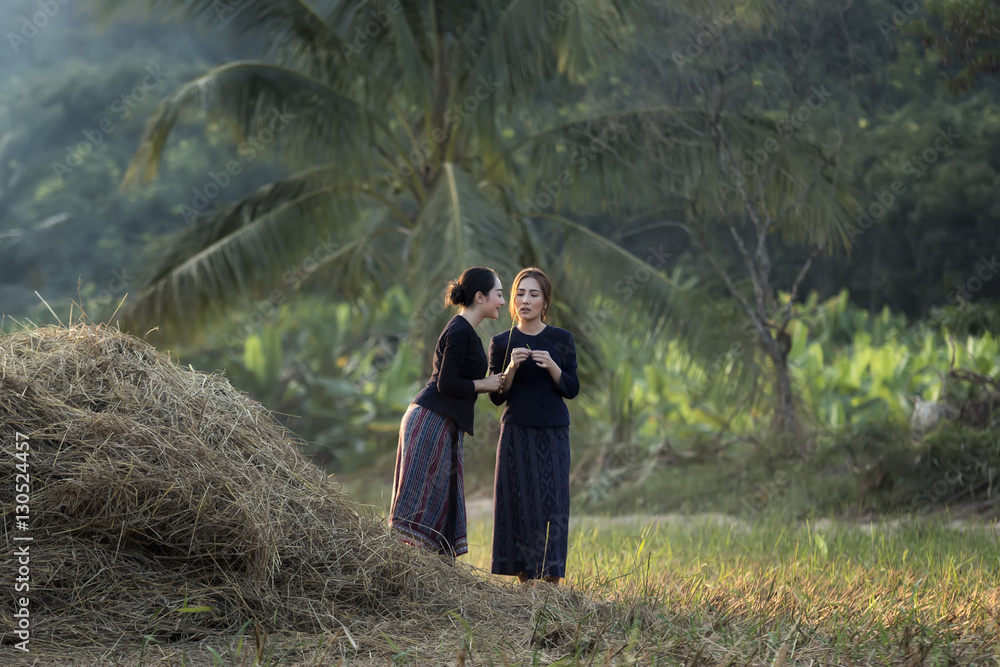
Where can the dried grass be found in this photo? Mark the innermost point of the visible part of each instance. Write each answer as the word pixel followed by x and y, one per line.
pixel 157 488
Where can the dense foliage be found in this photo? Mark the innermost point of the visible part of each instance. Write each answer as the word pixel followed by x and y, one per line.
pixel 913 230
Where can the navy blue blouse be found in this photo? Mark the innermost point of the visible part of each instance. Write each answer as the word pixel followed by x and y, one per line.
pixel 459 360
pixel 533 398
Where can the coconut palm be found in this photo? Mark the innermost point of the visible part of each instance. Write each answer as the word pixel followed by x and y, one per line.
pixel 421 138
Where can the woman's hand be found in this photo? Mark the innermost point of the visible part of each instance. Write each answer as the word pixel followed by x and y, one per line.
pixel 544 360
pixel 517 356
pixel 489 384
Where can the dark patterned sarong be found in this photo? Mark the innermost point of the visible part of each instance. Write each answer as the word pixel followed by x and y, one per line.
pixel 428 491
pixel 531 501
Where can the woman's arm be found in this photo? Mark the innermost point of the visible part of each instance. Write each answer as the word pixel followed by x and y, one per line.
pixel 449 383
pixel 488 385
pixel 498 352
pixel 567 383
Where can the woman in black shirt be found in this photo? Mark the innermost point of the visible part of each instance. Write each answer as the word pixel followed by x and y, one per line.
pixel 531 489
pixel 428 492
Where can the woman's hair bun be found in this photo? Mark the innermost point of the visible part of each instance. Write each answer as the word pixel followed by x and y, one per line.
pixel 476 279
pixel 456 293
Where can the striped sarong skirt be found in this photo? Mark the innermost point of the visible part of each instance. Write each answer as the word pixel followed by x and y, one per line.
pixel 531 501
pixel 428 491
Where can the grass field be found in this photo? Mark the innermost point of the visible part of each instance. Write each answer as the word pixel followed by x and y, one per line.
pixel 715 590
pixel 708 590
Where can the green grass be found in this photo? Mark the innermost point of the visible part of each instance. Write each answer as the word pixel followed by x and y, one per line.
pixel 922 592
pixel 712 589
pixel 909 589
pixel 912 588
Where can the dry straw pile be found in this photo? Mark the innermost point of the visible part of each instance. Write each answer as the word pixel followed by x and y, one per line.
pixel 166 504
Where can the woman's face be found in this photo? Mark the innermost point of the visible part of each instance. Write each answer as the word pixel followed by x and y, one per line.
pixel 494 301
pixel 529 300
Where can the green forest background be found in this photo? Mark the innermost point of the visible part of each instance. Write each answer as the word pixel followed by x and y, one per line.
pixel 328 316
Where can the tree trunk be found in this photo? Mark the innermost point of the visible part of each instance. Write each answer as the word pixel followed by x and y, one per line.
pixel 872 292
pixel 785 418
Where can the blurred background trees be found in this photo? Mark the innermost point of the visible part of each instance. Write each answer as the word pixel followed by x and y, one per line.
pixel 616 149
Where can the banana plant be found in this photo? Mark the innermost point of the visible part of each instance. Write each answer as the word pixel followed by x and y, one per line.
pixel 425 137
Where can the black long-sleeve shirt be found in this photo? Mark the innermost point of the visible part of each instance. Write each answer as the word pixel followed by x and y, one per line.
pixel 459 360
pixel 534 399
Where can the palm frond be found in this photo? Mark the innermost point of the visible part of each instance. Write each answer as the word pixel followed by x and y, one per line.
pixel 635 160
pixel 244 249
pixel 390 48
pixel 458 227
pixel 526 43
pixel 519 47
pixel 602 289
pixel 303 119
pixel 365 268
pixel 414 76
pixel 297 33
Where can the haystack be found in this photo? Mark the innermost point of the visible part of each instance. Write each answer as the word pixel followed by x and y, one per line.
pixel 166 505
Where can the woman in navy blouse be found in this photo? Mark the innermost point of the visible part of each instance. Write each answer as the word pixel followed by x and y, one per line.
pixel 531 489
pixel 428 492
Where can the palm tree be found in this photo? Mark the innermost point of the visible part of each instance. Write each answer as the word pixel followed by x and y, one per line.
pixel 750 157
pixel 421 139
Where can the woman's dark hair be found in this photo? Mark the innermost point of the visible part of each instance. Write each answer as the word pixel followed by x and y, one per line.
pixel 462 292
pixel 543 282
